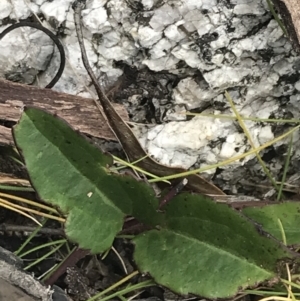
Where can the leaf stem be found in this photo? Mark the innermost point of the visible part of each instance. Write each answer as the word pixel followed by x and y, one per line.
pixel 70 261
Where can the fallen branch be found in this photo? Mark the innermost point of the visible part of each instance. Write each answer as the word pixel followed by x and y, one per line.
pixel 81 113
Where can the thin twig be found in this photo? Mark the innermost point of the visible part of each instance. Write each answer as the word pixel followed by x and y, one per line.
pixel 77 7
pixel 21 228
pixel 70 261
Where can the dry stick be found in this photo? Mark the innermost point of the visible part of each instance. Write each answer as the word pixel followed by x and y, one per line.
pixel 70 261
pixel 130 143
pixel 21 228
pixel 78 111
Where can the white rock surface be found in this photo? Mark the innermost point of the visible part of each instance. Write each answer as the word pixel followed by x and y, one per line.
pixel 222 45
pixel 6 9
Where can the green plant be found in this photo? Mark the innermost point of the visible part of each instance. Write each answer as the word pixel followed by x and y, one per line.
pixel 190 245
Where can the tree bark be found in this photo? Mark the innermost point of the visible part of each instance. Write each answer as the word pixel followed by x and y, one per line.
pixel 81 113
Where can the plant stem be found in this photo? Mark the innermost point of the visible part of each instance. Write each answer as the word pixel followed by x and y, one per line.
pixel 70 261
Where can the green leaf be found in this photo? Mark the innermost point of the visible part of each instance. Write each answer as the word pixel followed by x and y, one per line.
pixel 267 217
pixel 69 172
pixel 206 249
